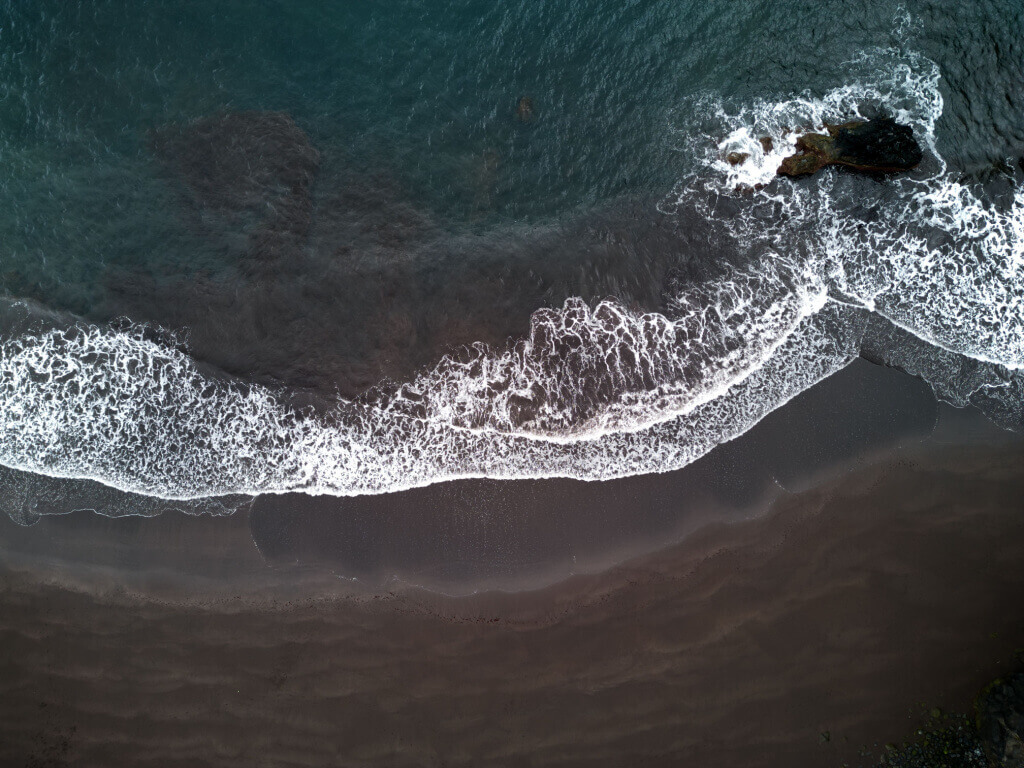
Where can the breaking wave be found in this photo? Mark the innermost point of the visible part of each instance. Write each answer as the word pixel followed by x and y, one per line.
pixel 928 277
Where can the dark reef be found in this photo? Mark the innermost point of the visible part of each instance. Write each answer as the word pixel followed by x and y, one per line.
pixel 248 173
pixel 871 146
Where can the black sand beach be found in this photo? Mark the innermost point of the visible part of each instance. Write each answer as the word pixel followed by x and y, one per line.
pixel 807 637
pixel 460 383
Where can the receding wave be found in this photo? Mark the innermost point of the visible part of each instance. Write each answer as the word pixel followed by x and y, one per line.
pixel 929 278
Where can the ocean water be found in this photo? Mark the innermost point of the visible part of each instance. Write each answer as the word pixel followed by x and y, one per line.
pixel 326 248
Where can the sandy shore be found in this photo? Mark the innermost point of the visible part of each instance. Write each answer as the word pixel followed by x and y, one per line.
pixel 849 610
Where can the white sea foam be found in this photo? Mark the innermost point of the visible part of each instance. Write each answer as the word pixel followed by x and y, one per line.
pixel 584 373
pixel 120 409
pixel 936 259
pixel 592 392
pixel 904 84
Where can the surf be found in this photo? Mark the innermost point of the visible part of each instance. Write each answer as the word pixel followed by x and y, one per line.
pixel 593 392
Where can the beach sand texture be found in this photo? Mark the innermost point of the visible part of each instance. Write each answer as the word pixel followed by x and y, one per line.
pixel 834 623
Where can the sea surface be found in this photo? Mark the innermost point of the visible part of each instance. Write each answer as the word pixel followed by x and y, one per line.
pixel 351 249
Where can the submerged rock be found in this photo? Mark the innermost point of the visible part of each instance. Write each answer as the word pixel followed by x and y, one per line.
pixel 524 109
pixel 1000 719
pixel 871 146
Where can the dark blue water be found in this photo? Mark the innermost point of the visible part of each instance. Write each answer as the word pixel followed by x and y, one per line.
pixel 351 249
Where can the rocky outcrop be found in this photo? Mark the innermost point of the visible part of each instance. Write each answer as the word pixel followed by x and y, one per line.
pixel 871 146
pixel 1000 721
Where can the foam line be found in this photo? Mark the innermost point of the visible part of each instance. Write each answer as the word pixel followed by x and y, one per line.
pixel 593 392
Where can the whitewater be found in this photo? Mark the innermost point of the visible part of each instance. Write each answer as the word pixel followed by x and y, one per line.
pixel 930 280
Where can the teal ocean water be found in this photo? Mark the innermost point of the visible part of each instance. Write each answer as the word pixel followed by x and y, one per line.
pixel 351 249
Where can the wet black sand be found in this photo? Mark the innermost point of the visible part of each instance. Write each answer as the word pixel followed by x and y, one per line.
pixel 481 534
pixel 475 535
pixel 850 609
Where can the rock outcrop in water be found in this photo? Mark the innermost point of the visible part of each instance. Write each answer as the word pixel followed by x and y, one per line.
pixel 1000 709
pixel 871 146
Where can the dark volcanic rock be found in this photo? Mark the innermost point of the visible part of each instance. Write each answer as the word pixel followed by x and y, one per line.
pixel 802 164
pixel 246 174
pixel 1000 709
pixel 871 146
pixel 876 145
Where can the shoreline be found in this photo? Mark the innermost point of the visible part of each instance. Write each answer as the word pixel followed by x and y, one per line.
pixel 216 554
pixel 469 536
